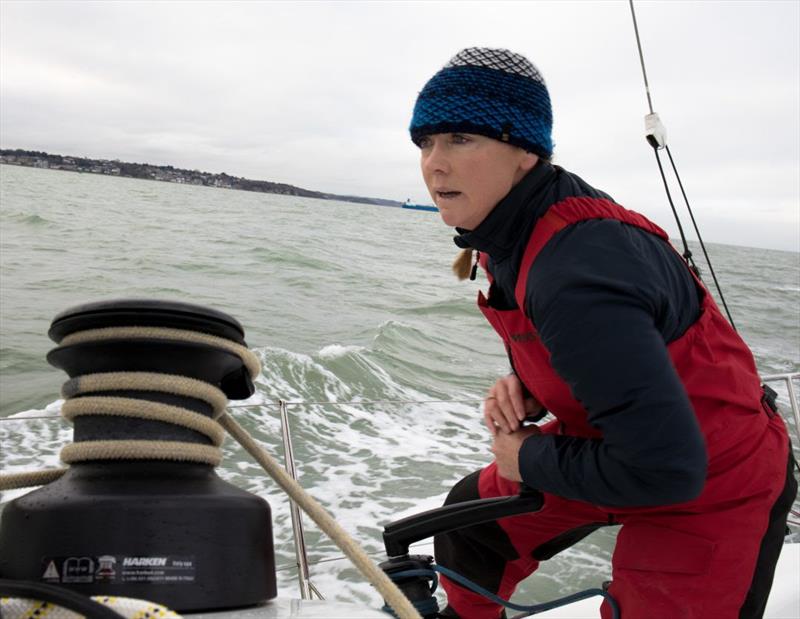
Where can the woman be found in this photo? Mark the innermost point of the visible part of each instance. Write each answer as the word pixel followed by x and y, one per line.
pixel 660 423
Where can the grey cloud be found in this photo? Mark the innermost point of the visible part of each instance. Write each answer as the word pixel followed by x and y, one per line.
pixel 320 94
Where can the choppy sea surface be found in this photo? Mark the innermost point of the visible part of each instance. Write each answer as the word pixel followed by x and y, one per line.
pixel 357 320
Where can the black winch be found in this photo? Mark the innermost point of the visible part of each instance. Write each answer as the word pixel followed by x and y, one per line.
pixel 415 574
pixel 139 513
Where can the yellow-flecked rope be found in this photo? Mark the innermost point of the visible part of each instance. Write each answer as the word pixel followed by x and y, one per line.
pixel 128 608
pixel 175 450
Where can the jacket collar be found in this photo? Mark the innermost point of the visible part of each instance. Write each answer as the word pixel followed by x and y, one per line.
pixel 498 234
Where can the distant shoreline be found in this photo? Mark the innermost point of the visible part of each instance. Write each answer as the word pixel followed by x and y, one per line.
pixel 169 174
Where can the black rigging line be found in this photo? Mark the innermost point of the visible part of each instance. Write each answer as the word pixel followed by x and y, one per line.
pixel 700 238
pixel 687 254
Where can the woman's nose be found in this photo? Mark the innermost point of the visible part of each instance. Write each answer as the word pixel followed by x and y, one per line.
pixel 435 160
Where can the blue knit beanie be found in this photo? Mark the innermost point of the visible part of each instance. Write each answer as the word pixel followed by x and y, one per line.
pixel 491 92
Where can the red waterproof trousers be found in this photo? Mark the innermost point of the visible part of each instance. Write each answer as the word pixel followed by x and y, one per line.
pixel 710 558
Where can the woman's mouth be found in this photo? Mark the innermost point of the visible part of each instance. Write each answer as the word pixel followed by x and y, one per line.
pixel 447 195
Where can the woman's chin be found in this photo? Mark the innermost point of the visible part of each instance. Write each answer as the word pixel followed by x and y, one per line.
pixel 448 216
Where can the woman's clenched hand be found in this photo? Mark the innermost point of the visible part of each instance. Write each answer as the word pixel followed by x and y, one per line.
pixel 506 405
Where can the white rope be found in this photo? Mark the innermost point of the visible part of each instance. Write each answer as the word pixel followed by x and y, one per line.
pixel 143 409
pixel 26 479
pixel 147 381
pixel 248 357
pixel 140 450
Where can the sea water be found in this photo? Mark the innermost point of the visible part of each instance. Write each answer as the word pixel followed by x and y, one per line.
pixel 359 324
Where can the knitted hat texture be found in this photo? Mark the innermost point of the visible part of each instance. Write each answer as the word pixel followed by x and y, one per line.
pixel 491 92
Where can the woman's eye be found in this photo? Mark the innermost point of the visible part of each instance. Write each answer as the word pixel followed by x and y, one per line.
pixel 457 138
pixel 424 142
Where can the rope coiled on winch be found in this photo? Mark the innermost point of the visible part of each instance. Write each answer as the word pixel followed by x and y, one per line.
pixel 77 404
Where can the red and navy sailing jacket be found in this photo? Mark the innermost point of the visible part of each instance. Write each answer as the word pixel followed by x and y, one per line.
pixel 653 392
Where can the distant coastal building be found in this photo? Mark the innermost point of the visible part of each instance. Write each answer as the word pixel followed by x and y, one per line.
pixel 168 174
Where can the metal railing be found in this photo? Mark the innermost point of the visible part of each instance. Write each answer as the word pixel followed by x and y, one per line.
pixel 307 588
pixel 789 379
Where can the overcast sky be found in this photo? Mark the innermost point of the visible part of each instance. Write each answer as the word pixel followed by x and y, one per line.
pixel 319 94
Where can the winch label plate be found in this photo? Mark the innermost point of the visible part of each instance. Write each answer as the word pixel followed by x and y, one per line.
pixel 153 569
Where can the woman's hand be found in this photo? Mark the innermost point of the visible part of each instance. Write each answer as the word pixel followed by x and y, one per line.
pixel 505 406
pixel 505 448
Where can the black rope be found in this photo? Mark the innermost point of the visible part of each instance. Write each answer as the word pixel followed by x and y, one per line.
pixel 531 609
pixel 687 253
pixel 700 238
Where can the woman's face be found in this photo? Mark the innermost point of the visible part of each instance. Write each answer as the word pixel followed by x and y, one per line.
pixel 468 174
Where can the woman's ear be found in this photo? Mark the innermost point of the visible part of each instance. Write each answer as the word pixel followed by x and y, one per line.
pixel 529 160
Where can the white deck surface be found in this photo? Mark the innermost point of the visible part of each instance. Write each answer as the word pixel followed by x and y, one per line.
pixel 297 609
pixel 784 602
